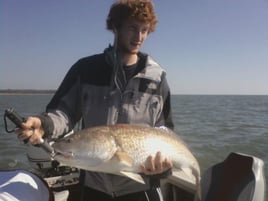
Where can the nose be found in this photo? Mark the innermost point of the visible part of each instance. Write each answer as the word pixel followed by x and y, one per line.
pixel 140 35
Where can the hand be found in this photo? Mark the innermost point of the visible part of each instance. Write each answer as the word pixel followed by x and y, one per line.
pixel 156 165
pixel 31 130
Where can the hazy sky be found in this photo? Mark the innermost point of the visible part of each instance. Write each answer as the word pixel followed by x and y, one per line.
pixel 205 46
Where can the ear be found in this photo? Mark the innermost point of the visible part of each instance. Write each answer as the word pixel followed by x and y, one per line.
pixel 115 36
pixel 115 32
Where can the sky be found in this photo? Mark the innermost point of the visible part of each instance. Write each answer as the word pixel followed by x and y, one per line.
pixel 205 46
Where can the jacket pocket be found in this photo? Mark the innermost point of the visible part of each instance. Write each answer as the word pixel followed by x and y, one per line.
pixel 141 108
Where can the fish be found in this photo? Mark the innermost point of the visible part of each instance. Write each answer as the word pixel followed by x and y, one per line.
pixel 121 149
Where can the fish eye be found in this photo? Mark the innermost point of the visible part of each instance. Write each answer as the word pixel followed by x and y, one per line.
pixel 69 140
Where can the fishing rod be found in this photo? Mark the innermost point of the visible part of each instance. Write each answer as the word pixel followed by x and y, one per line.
pixel 14 117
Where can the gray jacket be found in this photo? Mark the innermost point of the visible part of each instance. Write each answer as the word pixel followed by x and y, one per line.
pixel 95 90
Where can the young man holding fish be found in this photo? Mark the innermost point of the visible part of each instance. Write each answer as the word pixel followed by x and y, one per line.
pixel 120 85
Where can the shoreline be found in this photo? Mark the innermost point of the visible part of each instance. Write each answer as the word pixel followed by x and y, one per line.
pixel 24 94
pixel 11 92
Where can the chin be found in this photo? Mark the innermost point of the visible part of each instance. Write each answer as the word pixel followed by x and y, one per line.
pixel 130 50
pixel 134 50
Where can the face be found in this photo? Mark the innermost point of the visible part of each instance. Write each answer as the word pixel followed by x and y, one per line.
pixel 132 35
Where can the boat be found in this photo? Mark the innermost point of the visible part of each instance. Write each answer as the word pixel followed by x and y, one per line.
pixel 240 177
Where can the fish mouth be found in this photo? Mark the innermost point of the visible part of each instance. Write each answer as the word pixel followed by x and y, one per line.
pixel 64 154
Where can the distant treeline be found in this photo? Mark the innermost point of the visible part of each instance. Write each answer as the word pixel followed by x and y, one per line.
pixel 27 91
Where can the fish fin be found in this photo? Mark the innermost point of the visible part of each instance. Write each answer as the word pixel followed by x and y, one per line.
pixel 194 173
pixel 134 176
pixel 124 158
pixel 188 172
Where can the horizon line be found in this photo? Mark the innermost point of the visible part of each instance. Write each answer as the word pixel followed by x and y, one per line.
pixel 51 91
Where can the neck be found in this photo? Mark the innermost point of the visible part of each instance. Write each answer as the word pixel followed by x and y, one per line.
pixel 129 59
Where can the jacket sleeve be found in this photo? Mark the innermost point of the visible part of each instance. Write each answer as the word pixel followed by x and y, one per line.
pixel 166 116
pixel 63 111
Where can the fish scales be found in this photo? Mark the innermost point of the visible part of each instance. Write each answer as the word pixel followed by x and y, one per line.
pixel 140 142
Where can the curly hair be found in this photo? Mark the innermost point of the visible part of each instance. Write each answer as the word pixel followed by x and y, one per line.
pixel 141 10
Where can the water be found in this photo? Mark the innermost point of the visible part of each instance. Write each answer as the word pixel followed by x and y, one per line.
pixel 212 126
pixel 12 151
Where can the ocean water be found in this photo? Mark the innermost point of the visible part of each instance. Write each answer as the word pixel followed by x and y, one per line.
pixel 213 126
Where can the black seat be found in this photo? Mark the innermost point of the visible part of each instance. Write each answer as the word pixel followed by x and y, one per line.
pixel 238 178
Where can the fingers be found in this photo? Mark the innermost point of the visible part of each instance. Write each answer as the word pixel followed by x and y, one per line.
pixel 30 136
pixel 149 166
pixel 167 164
pixel 24 134
pixel 32 122
pixel 31 131
pixel 158 162
pixel 156 165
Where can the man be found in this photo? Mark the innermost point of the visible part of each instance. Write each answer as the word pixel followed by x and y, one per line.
pixel 120 85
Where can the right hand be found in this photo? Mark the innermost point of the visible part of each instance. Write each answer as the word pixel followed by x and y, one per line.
pixel 31 130
pixel 156 165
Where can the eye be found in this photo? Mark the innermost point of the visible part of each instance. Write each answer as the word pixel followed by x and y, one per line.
pixel 68 140
pixel 133 28
pixel 144 31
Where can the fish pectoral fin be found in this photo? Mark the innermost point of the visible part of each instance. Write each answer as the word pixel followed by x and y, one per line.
pixel 133 176
pixel 188 172
pixel 123 158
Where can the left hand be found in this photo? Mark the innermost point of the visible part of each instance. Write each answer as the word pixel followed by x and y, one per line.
pixel 156 165
pixel 31 130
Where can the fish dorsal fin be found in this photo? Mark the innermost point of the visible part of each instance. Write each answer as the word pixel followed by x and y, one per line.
pixel 124 159
pixel 134 176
